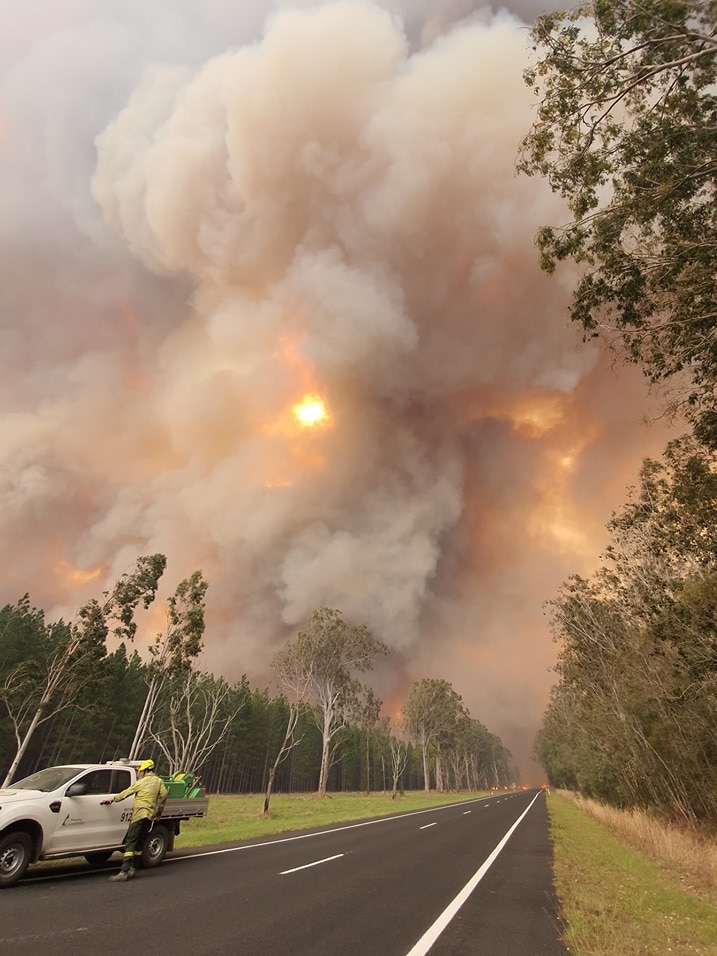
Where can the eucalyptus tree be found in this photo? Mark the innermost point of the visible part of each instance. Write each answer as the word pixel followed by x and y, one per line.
pixel 323 658
pixel 365 714
pixel 399 761
pixel 431 712
pixel 626 132
pixel 34 691
pixel 23 641
pixel 379 751
pixel 195 717
pixel 174 649
pixel 295 683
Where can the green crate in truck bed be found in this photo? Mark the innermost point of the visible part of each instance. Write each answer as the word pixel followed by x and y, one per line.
pixel 182 785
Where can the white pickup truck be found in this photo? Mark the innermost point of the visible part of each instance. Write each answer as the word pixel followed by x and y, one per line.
pixel 58 813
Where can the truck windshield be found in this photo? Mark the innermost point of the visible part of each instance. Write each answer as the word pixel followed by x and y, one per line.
pixel 46 780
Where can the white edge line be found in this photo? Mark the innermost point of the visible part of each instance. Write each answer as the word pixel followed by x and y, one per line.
pixel 433 932
pixel 315 863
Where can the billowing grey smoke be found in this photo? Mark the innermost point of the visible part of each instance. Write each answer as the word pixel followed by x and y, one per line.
pixel 196 243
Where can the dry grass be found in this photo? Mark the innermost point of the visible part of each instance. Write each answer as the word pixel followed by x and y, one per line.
pixel 619 899
pixel 689 853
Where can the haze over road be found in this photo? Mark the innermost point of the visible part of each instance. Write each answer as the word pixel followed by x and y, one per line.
pixel 391 887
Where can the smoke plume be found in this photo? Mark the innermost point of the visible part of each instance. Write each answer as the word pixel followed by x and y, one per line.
pixel 271 306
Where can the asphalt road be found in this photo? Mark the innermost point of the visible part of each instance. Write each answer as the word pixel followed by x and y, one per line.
pixel 471 878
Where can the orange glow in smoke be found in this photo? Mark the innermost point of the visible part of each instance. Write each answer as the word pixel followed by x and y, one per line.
pixel 70 577
pixel 311 411
pixel 540 415
pixel 298 427
pixel 300 423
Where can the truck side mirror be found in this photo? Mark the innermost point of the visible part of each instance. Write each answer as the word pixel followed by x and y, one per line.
pixel 78 789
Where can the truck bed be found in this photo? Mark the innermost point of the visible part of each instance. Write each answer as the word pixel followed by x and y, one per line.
pixel 181 808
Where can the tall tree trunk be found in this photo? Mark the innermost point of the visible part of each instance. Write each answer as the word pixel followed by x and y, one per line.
pixel 368 766
pixel 440 785
pixel 22 747
pixel 269 787
pixel 287 745
pixel 325 746
pixel 426 771
pixel 143 722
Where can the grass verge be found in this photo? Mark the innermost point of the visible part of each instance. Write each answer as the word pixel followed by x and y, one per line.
pixel 616 897
pixel 240 817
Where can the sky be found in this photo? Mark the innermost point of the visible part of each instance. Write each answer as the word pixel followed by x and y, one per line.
pixel 270 304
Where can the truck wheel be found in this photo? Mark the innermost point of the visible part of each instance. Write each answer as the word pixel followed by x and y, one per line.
pixel 99 856
pixel 15 855
pixel 156 846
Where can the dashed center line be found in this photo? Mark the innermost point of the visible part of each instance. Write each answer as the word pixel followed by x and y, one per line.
pixel 315 863
pixel 427 826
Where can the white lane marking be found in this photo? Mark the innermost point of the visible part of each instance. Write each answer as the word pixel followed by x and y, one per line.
pixel 307 836
pixel 466 812
pixel 433 932
pixel 307 865
pixel 427 825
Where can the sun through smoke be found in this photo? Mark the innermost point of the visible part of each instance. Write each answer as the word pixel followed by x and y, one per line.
pixel 311 411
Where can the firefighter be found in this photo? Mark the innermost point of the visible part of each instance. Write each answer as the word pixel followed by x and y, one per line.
pixel 149 797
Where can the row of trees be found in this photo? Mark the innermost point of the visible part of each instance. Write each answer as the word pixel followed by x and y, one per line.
pixel 64 697
pixel 626 132
pixel 633 719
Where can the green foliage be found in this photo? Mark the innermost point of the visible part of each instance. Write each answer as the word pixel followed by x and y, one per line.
pixel 182 641
pixel 627 133
pixel 329 650
pixel 318 666
pixel 451 741
pixel 135 587
pixel 112 692
pixel 173 654
pixel 69 664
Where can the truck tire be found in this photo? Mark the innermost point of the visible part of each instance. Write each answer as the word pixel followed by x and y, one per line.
pixel 99 856
pixel 156 845
pixel 15 856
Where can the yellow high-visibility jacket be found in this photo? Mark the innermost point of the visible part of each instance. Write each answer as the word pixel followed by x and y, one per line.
pixel 149 797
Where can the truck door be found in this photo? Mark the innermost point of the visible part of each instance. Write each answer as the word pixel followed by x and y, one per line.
pixel 83 823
